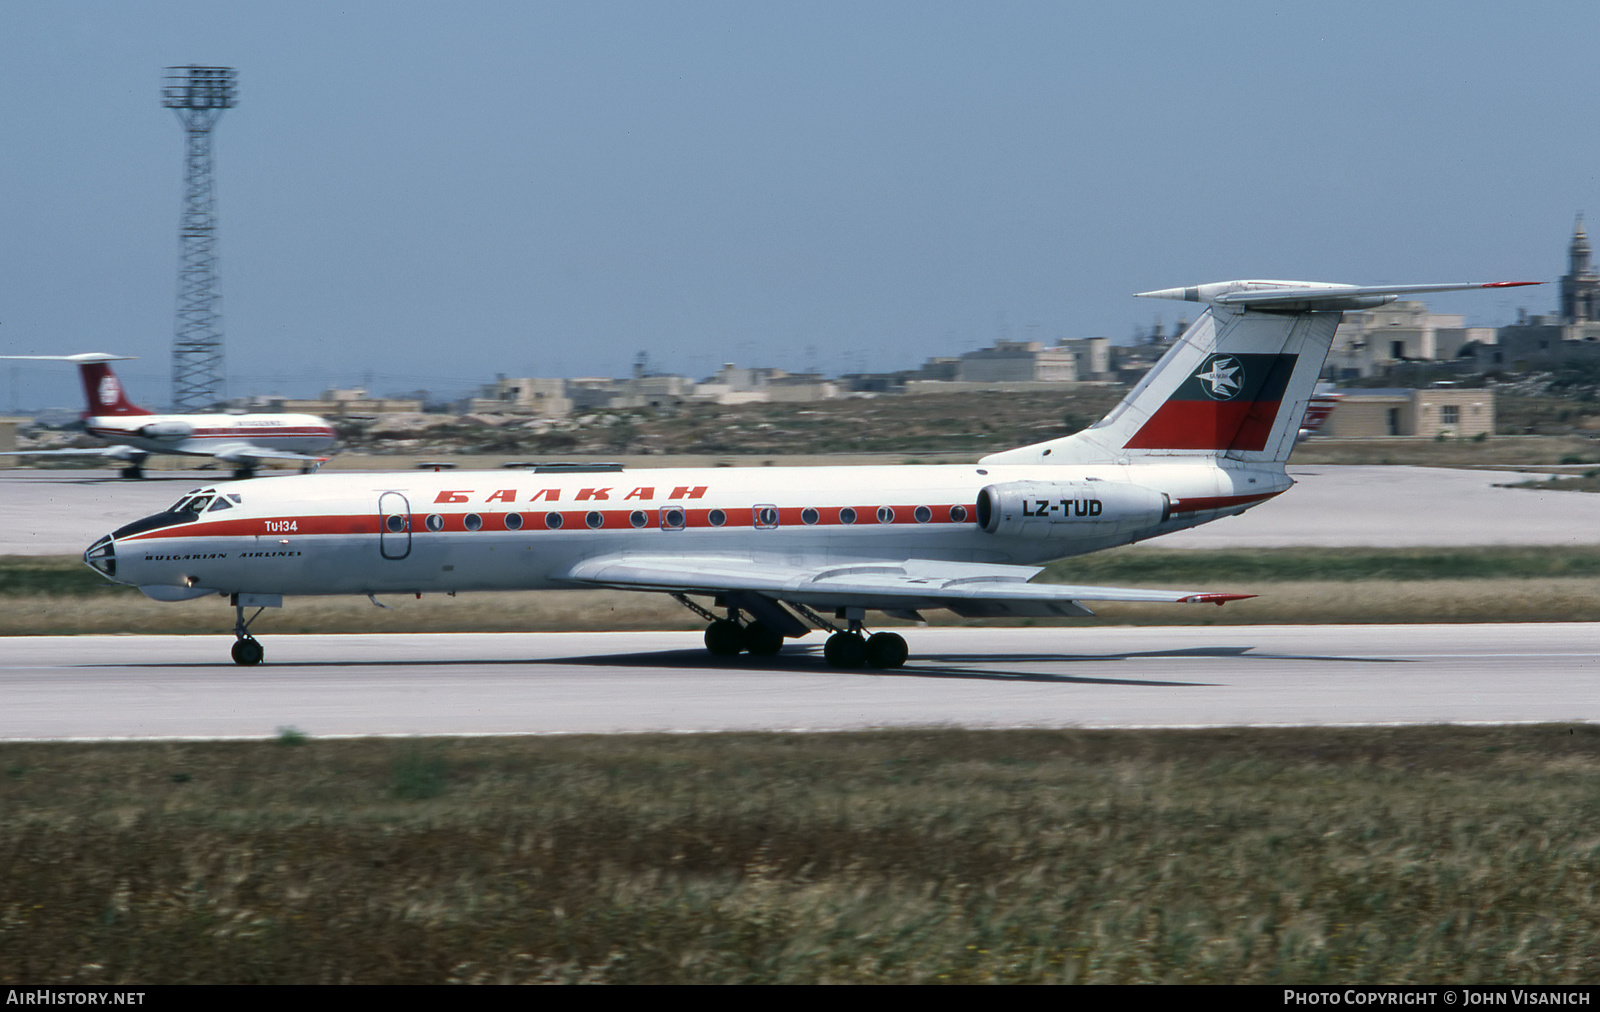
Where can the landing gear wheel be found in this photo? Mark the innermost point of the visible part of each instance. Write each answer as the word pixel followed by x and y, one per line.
pixel 886 650
pixel 724 638
pixel 133 471
pixel 247 652
pixel 761 641
pixel 845 650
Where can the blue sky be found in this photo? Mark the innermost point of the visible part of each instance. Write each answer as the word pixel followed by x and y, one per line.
pixel 423 195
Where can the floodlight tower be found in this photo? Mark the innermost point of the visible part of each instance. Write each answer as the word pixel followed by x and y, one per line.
pixel 198 95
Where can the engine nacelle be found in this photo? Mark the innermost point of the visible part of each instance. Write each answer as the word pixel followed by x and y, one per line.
pixel 1069 509
pixel 167 430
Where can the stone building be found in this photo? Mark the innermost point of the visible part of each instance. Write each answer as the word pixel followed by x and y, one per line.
pixel 1451 412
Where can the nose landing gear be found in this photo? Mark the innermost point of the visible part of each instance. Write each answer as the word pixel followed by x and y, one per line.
pixel 246 651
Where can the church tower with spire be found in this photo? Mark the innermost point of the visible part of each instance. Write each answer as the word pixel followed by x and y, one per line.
pixel 1580 286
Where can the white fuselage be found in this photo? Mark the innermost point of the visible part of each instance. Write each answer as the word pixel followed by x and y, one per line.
pixel 488 530
pixel 205 434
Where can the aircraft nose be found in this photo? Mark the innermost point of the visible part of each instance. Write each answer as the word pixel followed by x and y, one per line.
pixel 102 557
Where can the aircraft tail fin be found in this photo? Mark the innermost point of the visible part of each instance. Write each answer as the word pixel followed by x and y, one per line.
pixel 102 391
pixel 1236 384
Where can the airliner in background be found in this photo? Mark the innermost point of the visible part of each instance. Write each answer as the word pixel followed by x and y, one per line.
pixel 765 554
pixel 244 441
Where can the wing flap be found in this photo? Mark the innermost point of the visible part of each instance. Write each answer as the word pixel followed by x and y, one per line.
pixel 972 589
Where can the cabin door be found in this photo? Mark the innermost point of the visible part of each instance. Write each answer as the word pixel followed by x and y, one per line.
pixel 394 525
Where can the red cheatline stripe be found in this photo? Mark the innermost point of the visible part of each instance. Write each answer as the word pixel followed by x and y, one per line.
pixel 272 431
pixel 1217 502
pixel 533 521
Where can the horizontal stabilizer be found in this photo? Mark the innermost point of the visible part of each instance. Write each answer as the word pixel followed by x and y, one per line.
pixel 1310 295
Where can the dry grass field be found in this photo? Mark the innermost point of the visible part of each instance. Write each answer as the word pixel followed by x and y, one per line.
pixel 1260 856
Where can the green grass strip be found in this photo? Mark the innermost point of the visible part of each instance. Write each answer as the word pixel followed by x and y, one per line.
pixel 66 576
pixel 1142 565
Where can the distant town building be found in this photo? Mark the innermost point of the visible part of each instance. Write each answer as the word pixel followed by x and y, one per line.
pixel 590 393
pixel 1130 362
pixel 1017 361
pixel 339 404
pixel 734 385
pixel 1536 343
pixel 1371 341
pixel 1090 355
pixel 540 397
pixel 1580 286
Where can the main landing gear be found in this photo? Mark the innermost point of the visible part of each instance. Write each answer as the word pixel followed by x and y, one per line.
pixel 880 650
pixel 725 637
pixel 246 651
pixel 845 648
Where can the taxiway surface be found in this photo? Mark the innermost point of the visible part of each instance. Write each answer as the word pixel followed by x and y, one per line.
pixel 522 683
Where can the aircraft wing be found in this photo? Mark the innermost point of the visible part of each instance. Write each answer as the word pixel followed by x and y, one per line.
pixel 966 588
pixel 117 452
pixel 246 453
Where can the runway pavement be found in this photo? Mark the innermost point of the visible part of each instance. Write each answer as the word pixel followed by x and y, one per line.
pixel 522 683
pixel 165 686
pixel 61 512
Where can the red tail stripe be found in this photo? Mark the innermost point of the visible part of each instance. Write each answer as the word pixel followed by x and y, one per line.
pixel 1207 425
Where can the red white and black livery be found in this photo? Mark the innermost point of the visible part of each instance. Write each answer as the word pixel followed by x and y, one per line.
pixel 765 554
pixel 242 440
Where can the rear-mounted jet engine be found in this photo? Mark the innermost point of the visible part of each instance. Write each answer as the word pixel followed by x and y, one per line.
pixel 1069 509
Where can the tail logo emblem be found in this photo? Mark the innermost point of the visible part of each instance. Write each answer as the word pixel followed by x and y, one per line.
pixel 108 391
pixel 1223 378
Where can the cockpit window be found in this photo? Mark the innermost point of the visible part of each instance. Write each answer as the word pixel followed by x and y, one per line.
pixel 195 502
pixel 221 504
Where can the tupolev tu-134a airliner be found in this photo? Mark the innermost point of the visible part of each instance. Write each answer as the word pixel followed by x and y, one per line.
pixel 766 554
